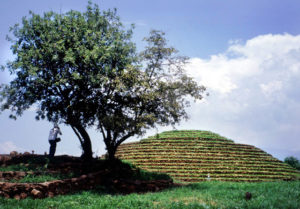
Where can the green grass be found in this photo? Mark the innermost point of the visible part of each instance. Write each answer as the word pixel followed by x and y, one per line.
pixel 42 176
pixel 23 167
pixel 36 179
pixel 32 178
pixel 201 195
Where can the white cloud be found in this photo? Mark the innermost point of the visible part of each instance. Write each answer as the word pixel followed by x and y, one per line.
pixel 272 87
pixel 212 76
pixel 8 146
pixel 274 55
pixel 266 47
pixel 255 91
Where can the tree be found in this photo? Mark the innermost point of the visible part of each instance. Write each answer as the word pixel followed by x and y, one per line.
pixel 60 60
pixel 143 97
pixel 83 70
pixel 292 161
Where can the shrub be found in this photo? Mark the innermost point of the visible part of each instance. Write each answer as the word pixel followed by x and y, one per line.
pixel 292 161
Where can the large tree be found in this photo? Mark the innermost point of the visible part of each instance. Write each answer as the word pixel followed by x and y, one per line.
pixel 82 69
pixel 155 93
pixel 60 60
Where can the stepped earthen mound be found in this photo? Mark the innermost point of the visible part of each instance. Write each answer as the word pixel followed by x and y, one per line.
pixel 194 156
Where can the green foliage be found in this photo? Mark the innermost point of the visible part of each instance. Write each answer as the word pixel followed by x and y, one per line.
pixel 202 195
pixel 82 69
pixel 61 56
pixel 292 161
pixel 22 167
pixel 65 64
pixel 43 177
pixel 31 178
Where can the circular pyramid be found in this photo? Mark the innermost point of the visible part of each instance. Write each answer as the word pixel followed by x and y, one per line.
pixel 194 156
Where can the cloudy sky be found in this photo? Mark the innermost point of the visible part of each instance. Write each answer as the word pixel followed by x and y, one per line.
pixel 247 53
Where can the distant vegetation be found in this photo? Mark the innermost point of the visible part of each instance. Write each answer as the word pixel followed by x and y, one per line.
pixel 194 156
pixel 293 161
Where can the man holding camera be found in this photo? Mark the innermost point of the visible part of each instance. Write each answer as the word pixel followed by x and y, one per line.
pixel 53 139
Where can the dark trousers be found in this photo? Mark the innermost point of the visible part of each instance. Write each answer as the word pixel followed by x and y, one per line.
pixel 52 148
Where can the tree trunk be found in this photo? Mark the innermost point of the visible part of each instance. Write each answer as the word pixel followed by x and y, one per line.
pixel 84 138
pixel 110 146
pixel 87 150
pixel 113 144
pixel 111 151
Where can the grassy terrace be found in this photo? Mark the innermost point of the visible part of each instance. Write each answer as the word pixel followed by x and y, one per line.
pixel 191 155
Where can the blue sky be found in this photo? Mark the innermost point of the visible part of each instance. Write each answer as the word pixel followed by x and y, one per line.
pixel 246 52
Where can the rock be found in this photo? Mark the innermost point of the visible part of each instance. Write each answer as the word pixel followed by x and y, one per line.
pixel 8 174
pixel 23 195
pixel 137 182
pixel 1 194
pixel 129 188
pixel 6 196
pixel 74 180
pixel 46 184
pixel 4 158
pixel 13 153
pixel 27 187
pixel 36 193
pixel 50 194
pixel 83 177
pixel 91 175
pixel 151 187
pixel 21 174
pixel 17 197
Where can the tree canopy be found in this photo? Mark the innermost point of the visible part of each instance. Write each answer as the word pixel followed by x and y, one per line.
pixel 82 69
pixel 292 161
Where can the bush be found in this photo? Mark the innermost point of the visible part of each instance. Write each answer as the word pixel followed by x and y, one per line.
pixel 292 161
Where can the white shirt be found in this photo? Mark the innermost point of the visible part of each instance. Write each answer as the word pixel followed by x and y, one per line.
pixel 53 133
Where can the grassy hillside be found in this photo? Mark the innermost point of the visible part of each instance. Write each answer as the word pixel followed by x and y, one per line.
pixel 192 156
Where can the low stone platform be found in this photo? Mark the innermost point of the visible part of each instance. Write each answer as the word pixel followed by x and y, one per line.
pixel 92 175
pixel 84 182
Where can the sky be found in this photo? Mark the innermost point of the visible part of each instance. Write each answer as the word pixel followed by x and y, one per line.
pixel 247 54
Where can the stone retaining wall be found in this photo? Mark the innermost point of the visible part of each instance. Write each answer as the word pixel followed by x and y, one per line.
pixel 84 182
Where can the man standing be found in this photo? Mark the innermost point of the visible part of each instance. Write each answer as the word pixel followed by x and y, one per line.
pixel 53 139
